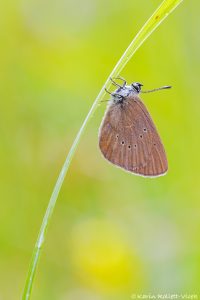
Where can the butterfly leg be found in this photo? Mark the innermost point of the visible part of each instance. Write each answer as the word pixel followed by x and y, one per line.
pixel 115 83
pixel 121 78
pixel 108 91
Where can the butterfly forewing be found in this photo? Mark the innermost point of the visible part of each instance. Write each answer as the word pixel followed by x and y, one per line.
pixel 128 138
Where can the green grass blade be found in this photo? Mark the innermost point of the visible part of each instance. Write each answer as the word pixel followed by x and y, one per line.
pixel 166 7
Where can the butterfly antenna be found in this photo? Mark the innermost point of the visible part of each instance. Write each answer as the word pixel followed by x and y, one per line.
pixel 158 89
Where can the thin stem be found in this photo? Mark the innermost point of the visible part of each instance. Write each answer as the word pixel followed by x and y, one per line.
pixel 166 7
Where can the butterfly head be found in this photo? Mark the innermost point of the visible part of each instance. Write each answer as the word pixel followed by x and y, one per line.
pixel 136 86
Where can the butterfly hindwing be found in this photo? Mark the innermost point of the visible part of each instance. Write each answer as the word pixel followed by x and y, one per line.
pixel 128 138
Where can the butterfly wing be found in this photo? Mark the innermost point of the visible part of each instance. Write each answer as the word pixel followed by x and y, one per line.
pixel 128 138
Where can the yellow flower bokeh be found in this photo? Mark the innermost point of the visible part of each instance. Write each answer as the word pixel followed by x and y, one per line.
pixel 102 256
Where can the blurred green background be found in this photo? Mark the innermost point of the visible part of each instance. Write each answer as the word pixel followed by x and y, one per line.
pixel 112 234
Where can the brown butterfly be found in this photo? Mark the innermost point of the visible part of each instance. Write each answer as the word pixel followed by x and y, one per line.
pixel 128 137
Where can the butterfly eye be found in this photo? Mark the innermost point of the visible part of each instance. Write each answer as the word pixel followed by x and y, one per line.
pixel 137 86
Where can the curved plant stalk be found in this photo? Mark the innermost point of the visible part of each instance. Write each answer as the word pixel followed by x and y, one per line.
pixel 166 7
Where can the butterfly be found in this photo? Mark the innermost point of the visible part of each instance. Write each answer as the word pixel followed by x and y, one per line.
pixel 128 137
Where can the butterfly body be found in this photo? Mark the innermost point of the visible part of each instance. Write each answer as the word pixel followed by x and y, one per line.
pixel 128 137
